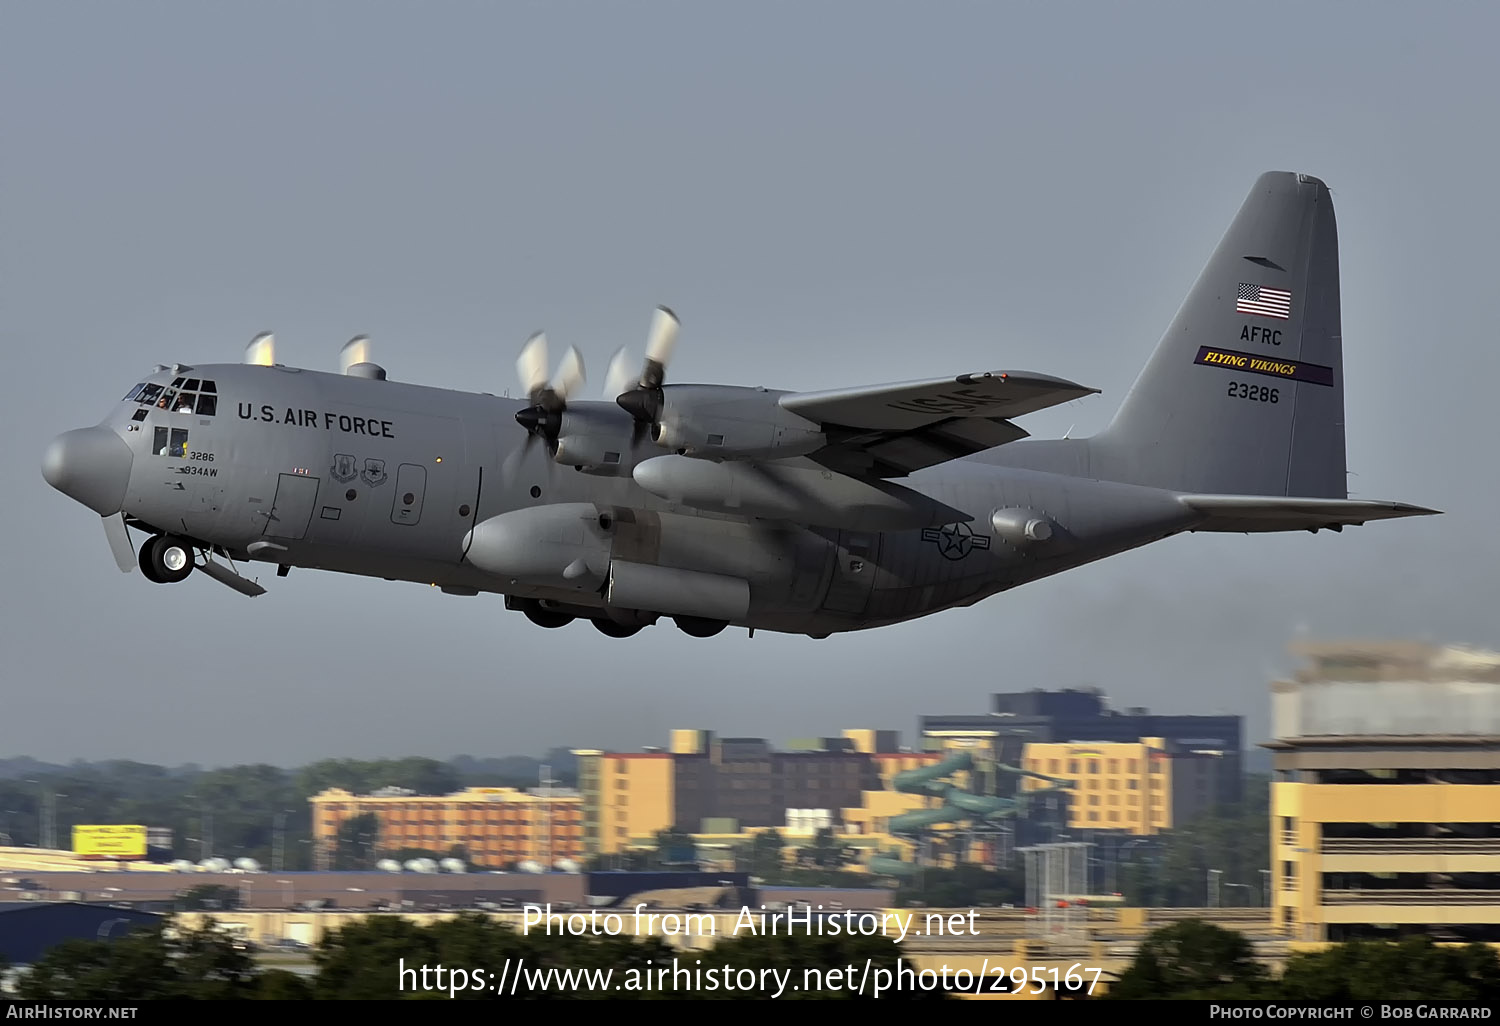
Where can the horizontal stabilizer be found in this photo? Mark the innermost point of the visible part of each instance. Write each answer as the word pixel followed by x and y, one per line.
pixel 1251 513
pixel 224 575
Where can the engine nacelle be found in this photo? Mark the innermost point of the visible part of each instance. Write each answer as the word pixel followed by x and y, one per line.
pixel 560 545
pixel 649 563
pixel 595 437
pixel 730 422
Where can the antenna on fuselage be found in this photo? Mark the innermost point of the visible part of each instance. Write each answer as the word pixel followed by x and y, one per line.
pixel 261 352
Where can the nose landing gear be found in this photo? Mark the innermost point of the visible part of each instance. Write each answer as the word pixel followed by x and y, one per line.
pixel 166 559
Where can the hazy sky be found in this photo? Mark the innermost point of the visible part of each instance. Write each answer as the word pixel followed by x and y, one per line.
pixel 829 194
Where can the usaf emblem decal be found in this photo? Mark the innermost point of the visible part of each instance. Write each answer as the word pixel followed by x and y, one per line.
pixel 374 474
pixel 955 541
pixel 343 469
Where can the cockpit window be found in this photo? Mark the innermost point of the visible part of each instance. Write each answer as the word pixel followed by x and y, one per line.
pixel 148 394
pixel 192 385
pixel 166 401
pixel 133 393
pixel 177 383
pixel 170 442
pixel 207 405
pixel 208 386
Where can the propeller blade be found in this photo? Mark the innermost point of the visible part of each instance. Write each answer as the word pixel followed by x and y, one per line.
pixel 620 377
pixel 261 352
pixel 659 346
pixel 356 350
pixel 532 366
pixel 569 374
pixel 119 542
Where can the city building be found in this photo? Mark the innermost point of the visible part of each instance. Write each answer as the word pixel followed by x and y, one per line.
pixel 725 790
pixel 1017 719
pixel 1385 807
pixel 1141 787
pixel 495 826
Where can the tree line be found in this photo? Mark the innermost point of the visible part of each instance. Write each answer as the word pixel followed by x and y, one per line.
pixel 381 958
pixel 258 811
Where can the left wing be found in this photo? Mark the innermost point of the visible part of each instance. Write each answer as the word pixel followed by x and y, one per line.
pixel 892 430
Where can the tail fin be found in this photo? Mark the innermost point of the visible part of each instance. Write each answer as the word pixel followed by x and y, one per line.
pixel 1245 392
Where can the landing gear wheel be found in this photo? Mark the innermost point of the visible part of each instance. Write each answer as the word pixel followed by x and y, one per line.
pixel 617 630
pixel 171 559
pixel 143 557
pixel 547 618
pixel 699 628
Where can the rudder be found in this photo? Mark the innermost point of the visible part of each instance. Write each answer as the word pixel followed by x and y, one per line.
pixel 1244 394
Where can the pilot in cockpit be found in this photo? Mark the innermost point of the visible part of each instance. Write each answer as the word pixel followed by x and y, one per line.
pixel 185 404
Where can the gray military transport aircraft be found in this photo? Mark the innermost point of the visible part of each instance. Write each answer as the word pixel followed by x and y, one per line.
pixel 714 505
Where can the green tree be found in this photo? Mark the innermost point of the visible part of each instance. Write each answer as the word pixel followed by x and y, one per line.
pixel 825 851
pixel 675 847
pixel 1414 969
pixel 382 958
pixel 801 962
pixel 357 840
pixel 765 854
pixel 963 886
pixel 280 985
pixel 149 963
pixel 1192 960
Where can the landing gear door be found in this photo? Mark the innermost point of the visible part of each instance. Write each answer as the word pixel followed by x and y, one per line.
pixel 411 483
pixel 853 572
pixel 292 508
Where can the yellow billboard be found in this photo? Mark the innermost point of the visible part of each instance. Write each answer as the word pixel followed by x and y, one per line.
pixel 109 842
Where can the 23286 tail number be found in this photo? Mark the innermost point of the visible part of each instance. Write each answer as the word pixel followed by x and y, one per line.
pixel 1257 393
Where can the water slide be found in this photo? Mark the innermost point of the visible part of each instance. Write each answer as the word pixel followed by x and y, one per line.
pixel 958 806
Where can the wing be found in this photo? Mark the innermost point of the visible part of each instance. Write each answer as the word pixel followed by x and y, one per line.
pixel 892 430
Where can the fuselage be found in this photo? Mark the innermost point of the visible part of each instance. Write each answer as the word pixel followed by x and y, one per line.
pixel 386 479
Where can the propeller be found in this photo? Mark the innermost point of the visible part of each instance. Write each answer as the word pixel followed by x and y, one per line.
pixel 261 351
pixel 644 401
pixel 543 418
pixel 620 376
pixel 356 350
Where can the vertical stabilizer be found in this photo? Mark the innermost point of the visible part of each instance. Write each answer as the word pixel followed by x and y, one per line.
pixel 1245 392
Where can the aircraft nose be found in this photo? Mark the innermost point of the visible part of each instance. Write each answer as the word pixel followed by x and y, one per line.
pixel 90 465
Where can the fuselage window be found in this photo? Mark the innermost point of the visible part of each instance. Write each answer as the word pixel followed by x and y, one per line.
pixel 139 415
pixel 173 443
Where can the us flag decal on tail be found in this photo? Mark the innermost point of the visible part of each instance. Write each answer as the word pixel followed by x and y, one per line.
pixel 1257 299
